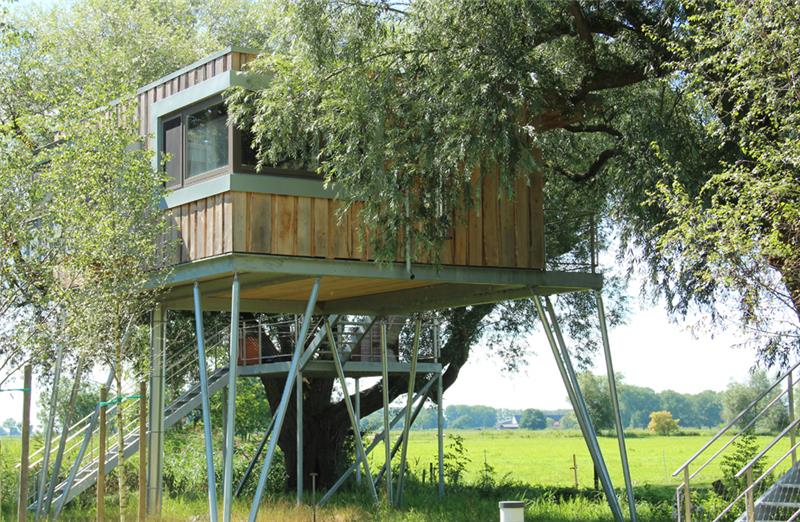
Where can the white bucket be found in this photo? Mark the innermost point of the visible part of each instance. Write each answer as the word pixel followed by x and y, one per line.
pixel 512 511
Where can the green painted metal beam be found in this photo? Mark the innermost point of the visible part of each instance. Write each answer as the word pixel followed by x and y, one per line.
pixel 228 264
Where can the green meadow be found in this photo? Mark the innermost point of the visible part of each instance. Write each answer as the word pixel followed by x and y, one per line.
pixel 534 466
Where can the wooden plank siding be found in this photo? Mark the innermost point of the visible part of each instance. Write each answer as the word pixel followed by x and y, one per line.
pixel 496 233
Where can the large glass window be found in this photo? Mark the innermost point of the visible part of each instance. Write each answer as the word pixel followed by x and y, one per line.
pixel 172 144
pixel 206 140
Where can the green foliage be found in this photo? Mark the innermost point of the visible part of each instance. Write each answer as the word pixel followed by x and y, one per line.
pixel 85 403
pixel 598 401
pixel 455 460
pixel 533 419
pixel 466 417
pixel 731 239
pixel 739 396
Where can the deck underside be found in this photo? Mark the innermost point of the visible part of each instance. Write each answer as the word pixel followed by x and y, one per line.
pixel 281 284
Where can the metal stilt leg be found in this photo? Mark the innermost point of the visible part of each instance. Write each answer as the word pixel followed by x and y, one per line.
pixel 48 436
pixel 362 456
pixel 280 414
pixel 155 443
pixel 298 390
pixel 387 440
pixel 412 377
pixel 576 398
pixel 612 388
pixel 230 423
pixel 207 437
pixel 358 422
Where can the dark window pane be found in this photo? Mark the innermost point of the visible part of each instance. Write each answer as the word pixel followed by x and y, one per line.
pixel 172 146
pixel 206 140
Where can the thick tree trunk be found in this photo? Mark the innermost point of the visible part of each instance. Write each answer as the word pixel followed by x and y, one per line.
pixel 326 425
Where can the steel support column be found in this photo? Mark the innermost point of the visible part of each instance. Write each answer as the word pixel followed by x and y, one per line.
pixel 155 423
pixel 280 414
pixel 439 408
pixel 48 434
pixel 207 435
pixel 298 390
pixel 358 422
pixel 387 439
pixel 412 377
pixel 567 372
pixel 362 456
pixel 612 388
pixel 253 461
pixel 230 422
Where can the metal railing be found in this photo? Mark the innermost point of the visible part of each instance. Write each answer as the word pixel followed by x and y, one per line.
pixel 683 493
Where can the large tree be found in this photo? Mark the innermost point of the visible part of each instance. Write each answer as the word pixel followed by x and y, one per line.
pixel 398 103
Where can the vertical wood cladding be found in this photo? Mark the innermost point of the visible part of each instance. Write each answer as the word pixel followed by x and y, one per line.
pixel 498 232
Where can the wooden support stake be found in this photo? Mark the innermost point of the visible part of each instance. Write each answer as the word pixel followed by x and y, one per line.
pixel 22 506
pixel 575 469
pixel 142 451
pixel 101 458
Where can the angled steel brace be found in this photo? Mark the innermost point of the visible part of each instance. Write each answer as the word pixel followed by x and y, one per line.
pixel 48 436
pixel 207 437
pixel 374 444
pixel 564 363
pixel 350 412
pixel 280 414
pixel 412 376
pixel 253 461
pixel 227 471
pixel 612 388
pixel 401 439
pixel 87 437
pixel 387 435
pixel 62 442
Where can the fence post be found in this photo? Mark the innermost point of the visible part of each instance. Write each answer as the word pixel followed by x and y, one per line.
pixel 751 508
pixel 142 451
pixel 101 458
pixel 687 499
pixel 22 506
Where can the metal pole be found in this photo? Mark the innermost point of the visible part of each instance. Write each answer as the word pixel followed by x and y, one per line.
pixel 142 451
pixel 155 441
pixel 101 458
pixel 358 422
pixel 792 433
pixel 412 377
pixel 87 437
pixel 257 454
pixel 227 484
pixel 62 442
pixel 387 439
pixel 280 414
pixel 48 435
pixel 27 383
pixel 299 428
pixel 571 383
pixel 612 388
pixel 362 456
pixel 207 434
pixel 439 409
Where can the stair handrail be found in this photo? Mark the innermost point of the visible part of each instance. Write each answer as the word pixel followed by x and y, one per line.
pixel 757 481
pixel 795 516
pixel 738 434
pixel 733 421
pixel 768 447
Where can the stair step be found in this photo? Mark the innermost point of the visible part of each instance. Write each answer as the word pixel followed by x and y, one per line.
pixel 775 503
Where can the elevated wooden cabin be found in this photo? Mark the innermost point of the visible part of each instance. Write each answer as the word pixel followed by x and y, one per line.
pixel 278 228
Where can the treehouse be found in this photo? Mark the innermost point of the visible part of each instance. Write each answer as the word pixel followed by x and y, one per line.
pixel 272 241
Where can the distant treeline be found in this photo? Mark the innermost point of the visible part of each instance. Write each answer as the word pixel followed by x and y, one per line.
pixel 706 409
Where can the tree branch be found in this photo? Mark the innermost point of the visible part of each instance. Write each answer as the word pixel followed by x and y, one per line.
pixel 593 169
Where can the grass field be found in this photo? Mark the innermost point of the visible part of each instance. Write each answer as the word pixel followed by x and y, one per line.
pixel 545 457
pixel 533 462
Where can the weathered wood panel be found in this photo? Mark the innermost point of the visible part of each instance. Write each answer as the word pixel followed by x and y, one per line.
pixel 496 232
